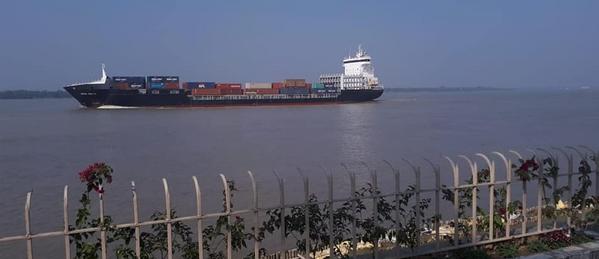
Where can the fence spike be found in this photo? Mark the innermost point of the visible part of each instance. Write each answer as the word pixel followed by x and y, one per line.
pixel 28 225
pixel 169 227
pixel 282 204
pixel 524 198
pixel 103 247
pixel 136 221
pixel 516 153
pixel 256 216
pixel 228 212
pixel 65 213
pixel 375 209
pixel 474 173
pixel 437 174
pixel 456 202
pixel 508 196
pixel 578 152
pixel 491 165
pixel 397 194
pixel 200 228
pixel 331 212
pixel 352 180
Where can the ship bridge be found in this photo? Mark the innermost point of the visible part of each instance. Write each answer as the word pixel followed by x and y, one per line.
pixel 358 73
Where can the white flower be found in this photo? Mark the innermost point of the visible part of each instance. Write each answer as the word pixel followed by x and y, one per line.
pixel 561 205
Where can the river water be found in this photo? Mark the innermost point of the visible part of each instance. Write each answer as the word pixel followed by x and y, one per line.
pixel 44 143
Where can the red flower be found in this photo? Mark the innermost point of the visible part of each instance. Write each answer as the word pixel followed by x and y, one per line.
pixel 94 175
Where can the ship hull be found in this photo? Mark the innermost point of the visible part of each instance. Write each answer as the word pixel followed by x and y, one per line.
pixel 94 96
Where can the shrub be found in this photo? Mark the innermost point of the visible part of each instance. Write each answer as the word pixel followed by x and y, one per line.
pixel 556 239
pixel 507 250
pixel 537 246
pixel 472 253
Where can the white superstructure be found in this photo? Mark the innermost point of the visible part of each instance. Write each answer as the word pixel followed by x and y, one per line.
pixel 358 73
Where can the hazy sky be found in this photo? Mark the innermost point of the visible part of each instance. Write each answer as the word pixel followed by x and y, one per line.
pixel 47 44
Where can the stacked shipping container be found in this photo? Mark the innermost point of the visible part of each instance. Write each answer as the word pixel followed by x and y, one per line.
pixel 288 86
pixel 158 82
pixel 128 82
pixel 229 88
pixel 193 85
pixel 295 86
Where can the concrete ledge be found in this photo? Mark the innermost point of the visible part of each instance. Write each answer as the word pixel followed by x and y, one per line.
pixel 588 250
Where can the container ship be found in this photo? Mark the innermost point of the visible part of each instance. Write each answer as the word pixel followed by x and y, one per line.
pixel 356 84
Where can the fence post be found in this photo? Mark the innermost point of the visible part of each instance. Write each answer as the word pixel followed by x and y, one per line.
pixel 524 197
pixel 256 216
pixel 437 174
pixel 375 210
pixel 554 163
pixel 169 227
pixel 397 206
pixel 65 218
pixel 491 165
pixel 28 226
pixel 331 223
pixel 508 189
pixel 198 192
pixel 102 227
pixel 136 222
pixel 306 212
pixel 282 204
pixel 228 212
pixel 540 195
pixel 474 173
pixel 570 169
pixel 456 201
pixel 352 180
pixel 417 206
pixel 596 160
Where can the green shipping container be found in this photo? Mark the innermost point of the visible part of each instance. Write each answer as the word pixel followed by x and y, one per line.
pixel 317 86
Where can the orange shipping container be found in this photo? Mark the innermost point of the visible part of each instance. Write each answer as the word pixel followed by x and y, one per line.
pixel 205 91
pixel 121 85
pixel 277 85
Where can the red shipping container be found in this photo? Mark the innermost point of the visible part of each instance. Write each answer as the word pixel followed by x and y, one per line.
pixel 205 91
pixel 277 85
pixel 171 85
pixel 231 91
pixel 267 91
pixel 228 86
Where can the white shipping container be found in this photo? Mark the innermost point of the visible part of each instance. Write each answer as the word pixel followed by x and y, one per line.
pixel 258 85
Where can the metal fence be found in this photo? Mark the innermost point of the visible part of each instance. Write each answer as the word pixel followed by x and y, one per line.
pixel 437 241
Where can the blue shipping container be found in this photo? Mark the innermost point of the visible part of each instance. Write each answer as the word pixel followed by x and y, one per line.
pixel 294 91
pixel 164 79
pixel 156 85
pixel 129 79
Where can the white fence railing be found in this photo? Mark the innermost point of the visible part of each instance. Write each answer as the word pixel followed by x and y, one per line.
pixel 431 241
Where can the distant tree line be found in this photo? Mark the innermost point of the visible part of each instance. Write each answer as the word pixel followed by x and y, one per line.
pixel 32 94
